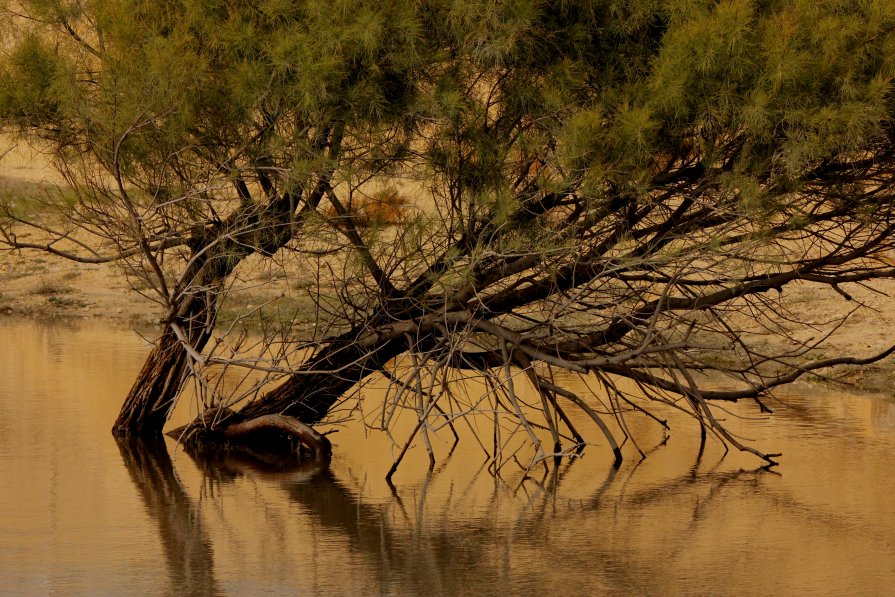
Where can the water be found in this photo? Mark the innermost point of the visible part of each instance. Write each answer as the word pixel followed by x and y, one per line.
pixel 83 515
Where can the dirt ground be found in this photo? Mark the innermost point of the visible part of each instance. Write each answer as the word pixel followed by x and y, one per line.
pixel 35 284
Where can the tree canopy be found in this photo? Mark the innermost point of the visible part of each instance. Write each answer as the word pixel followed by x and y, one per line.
pixel 517 191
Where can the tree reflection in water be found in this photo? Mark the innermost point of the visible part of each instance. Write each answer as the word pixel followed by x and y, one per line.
pixel 292 527
pixel 409 546
pixel 185 543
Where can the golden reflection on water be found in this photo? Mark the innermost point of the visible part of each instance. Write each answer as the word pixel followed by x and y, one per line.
pixel 86 515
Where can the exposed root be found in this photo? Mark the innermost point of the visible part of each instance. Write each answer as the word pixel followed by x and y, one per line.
pixel 274 434
pixel 307 435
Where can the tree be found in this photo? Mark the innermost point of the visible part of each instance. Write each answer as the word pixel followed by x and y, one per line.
pixel 616 190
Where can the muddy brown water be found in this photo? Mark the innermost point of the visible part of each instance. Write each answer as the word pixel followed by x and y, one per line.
pixel 83 515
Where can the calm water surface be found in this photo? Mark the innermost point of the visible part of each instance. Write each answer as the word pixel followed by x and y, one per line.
pixel 81 514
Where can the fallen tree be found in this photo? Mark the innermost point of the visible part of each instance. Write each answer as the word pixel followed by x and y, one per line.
pixel 608 192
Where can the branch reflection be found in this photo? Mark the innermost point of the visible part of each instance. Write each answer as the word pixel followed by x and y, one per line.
pixel 625 531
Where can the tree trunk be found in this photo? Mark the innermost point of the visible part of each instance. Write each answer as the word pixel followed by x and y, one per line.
pixel 310 392
pixel 149 402
pixel 216 250
pixel 307 395
pixel 146 407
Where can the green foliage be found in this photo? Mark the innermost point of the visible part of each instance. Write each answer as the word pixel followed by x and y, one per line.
pixel 490 103
pixel 33 83
pixel 794 81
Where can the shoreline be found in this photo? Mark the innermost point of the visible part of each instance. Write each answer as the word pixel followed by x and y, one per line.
pixel 39 286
